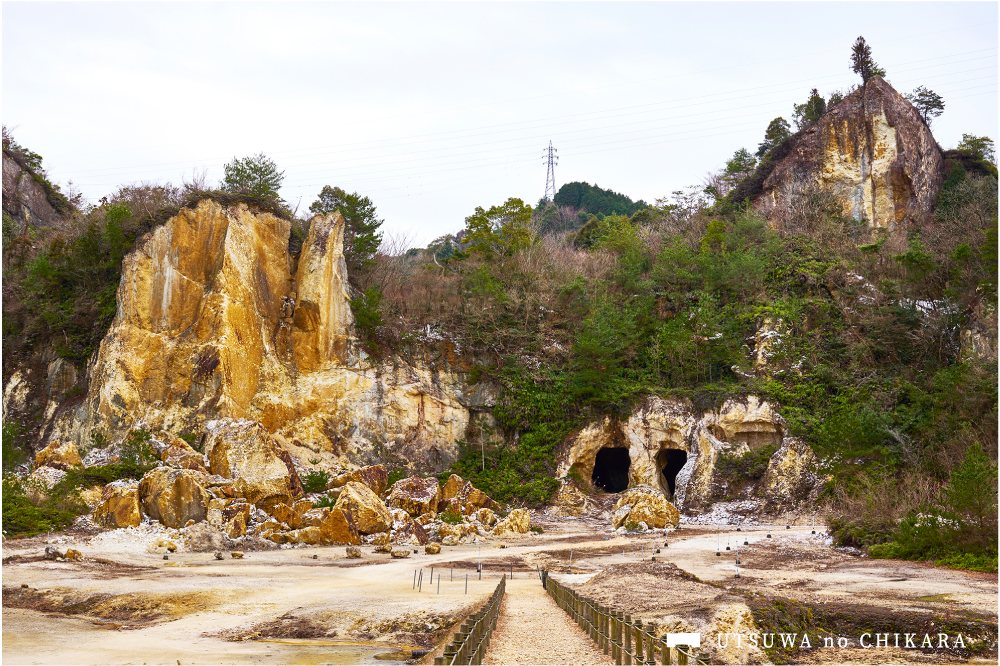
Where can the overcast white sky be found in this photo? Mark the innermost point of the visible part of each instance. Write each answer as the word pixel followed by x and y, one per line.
pixel 434 109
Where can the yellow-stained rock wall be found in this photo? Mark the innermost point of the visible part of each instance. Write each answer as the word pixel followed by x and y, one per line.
pixel 217 320
pixel 873 151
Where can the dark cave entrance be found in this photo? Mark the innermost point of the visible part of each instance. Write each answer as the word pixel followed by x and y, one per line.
pixel 670 462
pixel 611 469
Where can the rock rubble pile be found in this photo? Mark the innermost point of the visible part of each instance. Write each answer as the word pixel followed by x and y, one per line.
pixel 246 487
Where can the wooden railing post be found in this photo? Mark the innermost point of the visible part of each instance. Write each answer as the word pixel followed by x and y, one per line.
pixel 627 627
pixel 591 621
pixel 605 630
pixel 650 650
pixel 637 628
pixel 682 658
pixel 664 651
pixel 617 633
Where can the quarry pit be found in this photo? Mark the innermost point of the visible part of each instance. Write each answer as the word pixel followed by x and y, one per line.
pixel 123 604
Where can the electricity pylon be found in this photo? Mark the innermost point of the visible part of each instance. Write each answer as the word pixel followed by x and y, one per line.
pixel 550 178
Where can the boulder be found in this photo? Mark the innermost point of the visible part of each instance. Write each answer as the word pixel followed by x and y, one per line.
pixel 290 536
pixel 643 504
pixel 338 527
pixel 408 531
pixel 425 518
pixel 384 548
pixel 790 475
pixel 262 471
pixel 91 496
pixel 432 548
pixel 60 456
pixel 450 540
pixel 286 514
pixel 353 552
pixel 401 553
pixel 517 522
pixel 569 500
pixel 266 529
pixel 471 499
pixel 370 514
pixel 314 517
pixel 234 508
pixel 73 555
pixel 179 453
pixel 52 553
pixel 309 535
pixel 203 538
pixel 119 507
pixel 301 506
pixel 377 539
pixel 236 526
pixel 374 476
pixel 486 517
pixel 452 486
pixel 174 496
pixel 458 531
pixel 339 481
pixel 414 495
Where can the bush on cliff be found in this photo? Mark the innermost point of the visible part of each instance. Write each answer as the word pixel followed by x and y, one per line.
pixel 55 508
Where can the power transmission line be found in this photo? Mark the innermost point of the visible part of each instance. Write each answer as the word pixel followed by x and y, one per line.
pixel 550 176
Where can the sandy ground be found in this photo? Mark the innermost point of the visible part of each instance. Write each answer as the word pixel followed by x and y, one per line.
pixel 284 606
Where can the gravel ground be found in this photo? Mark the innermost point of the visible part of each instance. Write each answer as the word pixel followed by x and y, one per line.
pixel 532 629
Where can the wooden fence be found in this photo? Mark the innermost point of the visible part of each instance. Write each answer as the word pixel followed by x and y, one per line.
pixel 615 632
pixel 471 641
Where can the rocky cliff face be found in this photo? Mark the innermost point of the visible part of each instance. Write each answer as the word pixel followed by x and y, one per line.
pixel 217 320
pixel 24 199
pixel 873 151
pixel 671 447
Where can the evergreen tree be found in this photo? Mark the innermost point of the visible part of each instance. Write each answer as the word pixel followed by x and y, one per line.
pixel 971 495
pixel 257 176
pixel 980 146
pixel 361 226
pixel 808 113
pixel 862 63
pixel 500 230
pixel 776 132
pixel 928 103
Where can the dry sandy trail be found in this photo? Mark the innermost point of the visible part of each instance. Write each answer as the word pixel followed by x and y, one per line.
pixel 532 629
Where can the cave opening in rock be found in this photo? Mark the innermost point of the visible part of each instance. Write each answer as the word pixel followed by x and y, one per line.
pixel 670 462
pixel 611 469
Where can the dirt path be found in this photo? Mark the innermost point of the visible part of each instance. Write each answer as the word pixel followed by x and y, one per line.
pixel 532 629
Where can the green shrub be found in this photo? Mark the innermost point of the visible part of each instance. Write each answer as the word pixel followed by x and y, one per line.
pixel 367 318
pixel 135 457
pixel 957 527
pixel 22 518
pixel 451 517
pixel 325 501
pixel 13 451
pixel 737 472
pixel 398 474
pixel 315 481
